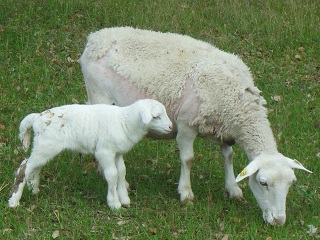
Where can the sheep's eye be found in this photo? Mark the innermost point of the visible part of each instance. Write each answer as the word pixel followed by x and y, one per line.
pixel 158 117
pixel 263 183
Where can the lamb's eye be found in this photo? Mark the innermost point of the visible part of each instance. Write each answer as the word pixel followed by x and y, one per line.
pixel 157 117
pixel 263 183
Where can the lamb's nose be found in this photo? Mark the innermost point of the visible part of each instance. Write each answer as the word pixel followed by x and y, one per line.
pixel 170 127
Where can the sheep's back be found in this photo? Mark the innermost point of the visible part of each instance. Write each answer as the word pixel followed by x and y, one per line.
pixel 160 64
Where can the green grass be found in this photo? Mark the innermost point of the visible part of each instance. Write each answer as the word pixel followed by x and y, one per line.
pixel 40 42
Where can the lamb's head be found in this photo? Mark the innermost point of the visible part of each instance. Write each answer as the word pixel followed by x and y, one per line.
pixel 270 177
pixel 154 116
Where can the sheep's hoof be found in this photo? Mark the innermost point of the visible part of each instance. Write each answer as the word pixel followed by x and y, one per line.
pixel 242 200
pixel 238 198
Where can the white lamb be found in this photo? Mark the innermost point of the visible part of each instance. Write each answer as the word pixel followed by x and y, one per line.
pixel 207 92
pixel 103 130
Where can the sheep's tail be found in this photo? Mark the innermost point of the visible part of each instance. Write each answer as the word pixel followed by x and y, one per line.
pixel 25 130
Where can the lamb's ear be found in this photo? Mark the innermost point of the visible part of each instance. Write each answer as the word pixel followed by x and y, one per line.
pixel 297 165
pixel 146 116
pixel 248 170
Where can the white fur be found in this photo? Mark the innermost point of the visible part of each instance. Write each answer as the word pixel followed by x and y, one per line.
pixel 103 130
pixel 208 93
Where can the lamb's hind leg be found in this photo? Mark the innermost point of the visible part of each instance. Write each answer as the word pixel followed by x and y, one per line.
pixel 185 139
pixel 18 185
pixel 29 170
pixel 231 187
pixel 41 154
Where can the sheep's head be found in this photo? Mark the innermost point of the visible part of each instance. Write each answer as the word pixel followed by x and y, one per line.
pixel 270 177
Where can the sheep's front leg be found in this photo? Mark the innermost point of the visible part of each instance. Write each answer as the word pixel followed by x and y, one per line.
pixel 185 139
pixel 107 161
pixel 122 183
pixel 231 187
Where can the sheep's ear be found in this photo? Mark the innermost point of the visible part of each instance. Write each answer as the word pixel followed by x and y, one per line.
pixel 297 165
pixel 146 116
pixel 248 170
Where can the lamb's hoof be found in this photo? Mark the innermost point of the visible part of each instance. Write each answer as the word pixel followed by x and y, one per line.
pixel 12 203
pixel 188 202
pixel 114 206
pixel 127 186
pixel 125 202
pixel 35 191
pixel 125 205
pixel 187 197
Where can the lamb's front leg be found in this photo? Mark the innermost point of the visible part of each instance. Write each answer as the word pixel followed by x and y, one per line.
pixel 185 139
pixel 107 160
pixel 122 185
pixel 231 187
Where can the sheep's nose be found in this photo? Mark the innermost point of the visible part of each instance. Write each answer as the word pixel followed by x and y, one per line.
pixel 170 127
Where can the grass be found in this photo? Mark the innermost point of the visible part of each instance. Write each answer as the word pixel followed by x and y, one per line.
pixel 40 42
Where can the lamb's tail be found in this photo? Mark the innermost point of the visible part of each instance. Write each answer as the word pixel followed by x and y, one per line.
pixel 25 129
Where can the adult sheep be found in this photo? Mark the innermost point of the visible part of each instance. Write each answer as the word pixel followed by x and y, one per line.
pixel 207 93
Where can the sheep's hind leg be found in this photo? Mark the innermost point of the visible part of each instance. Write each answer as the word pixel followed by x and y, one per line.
pixel 122 185
pixel 106 161
pixel 185 139
pixel 231 187
pixel 18 185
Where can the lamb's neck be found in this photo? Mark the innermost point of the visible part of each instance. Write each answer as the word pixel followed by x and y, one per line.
pixel 134 129
pixel 256 139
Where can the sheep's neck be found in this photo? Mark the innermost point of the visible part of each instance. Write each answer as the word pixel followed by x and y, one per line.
pixel 257 139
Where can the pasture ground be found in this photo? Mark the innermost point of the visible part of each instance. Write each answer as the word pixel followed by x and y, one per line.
pixel 40 43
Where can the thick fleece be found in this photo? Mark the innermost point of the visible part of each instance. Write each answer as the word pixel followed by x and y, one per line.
pixel 215 74
pixel 208 93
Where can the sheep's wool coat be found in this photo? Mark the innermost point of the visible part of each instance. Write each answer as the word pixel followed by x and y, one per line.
pixel 221 80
